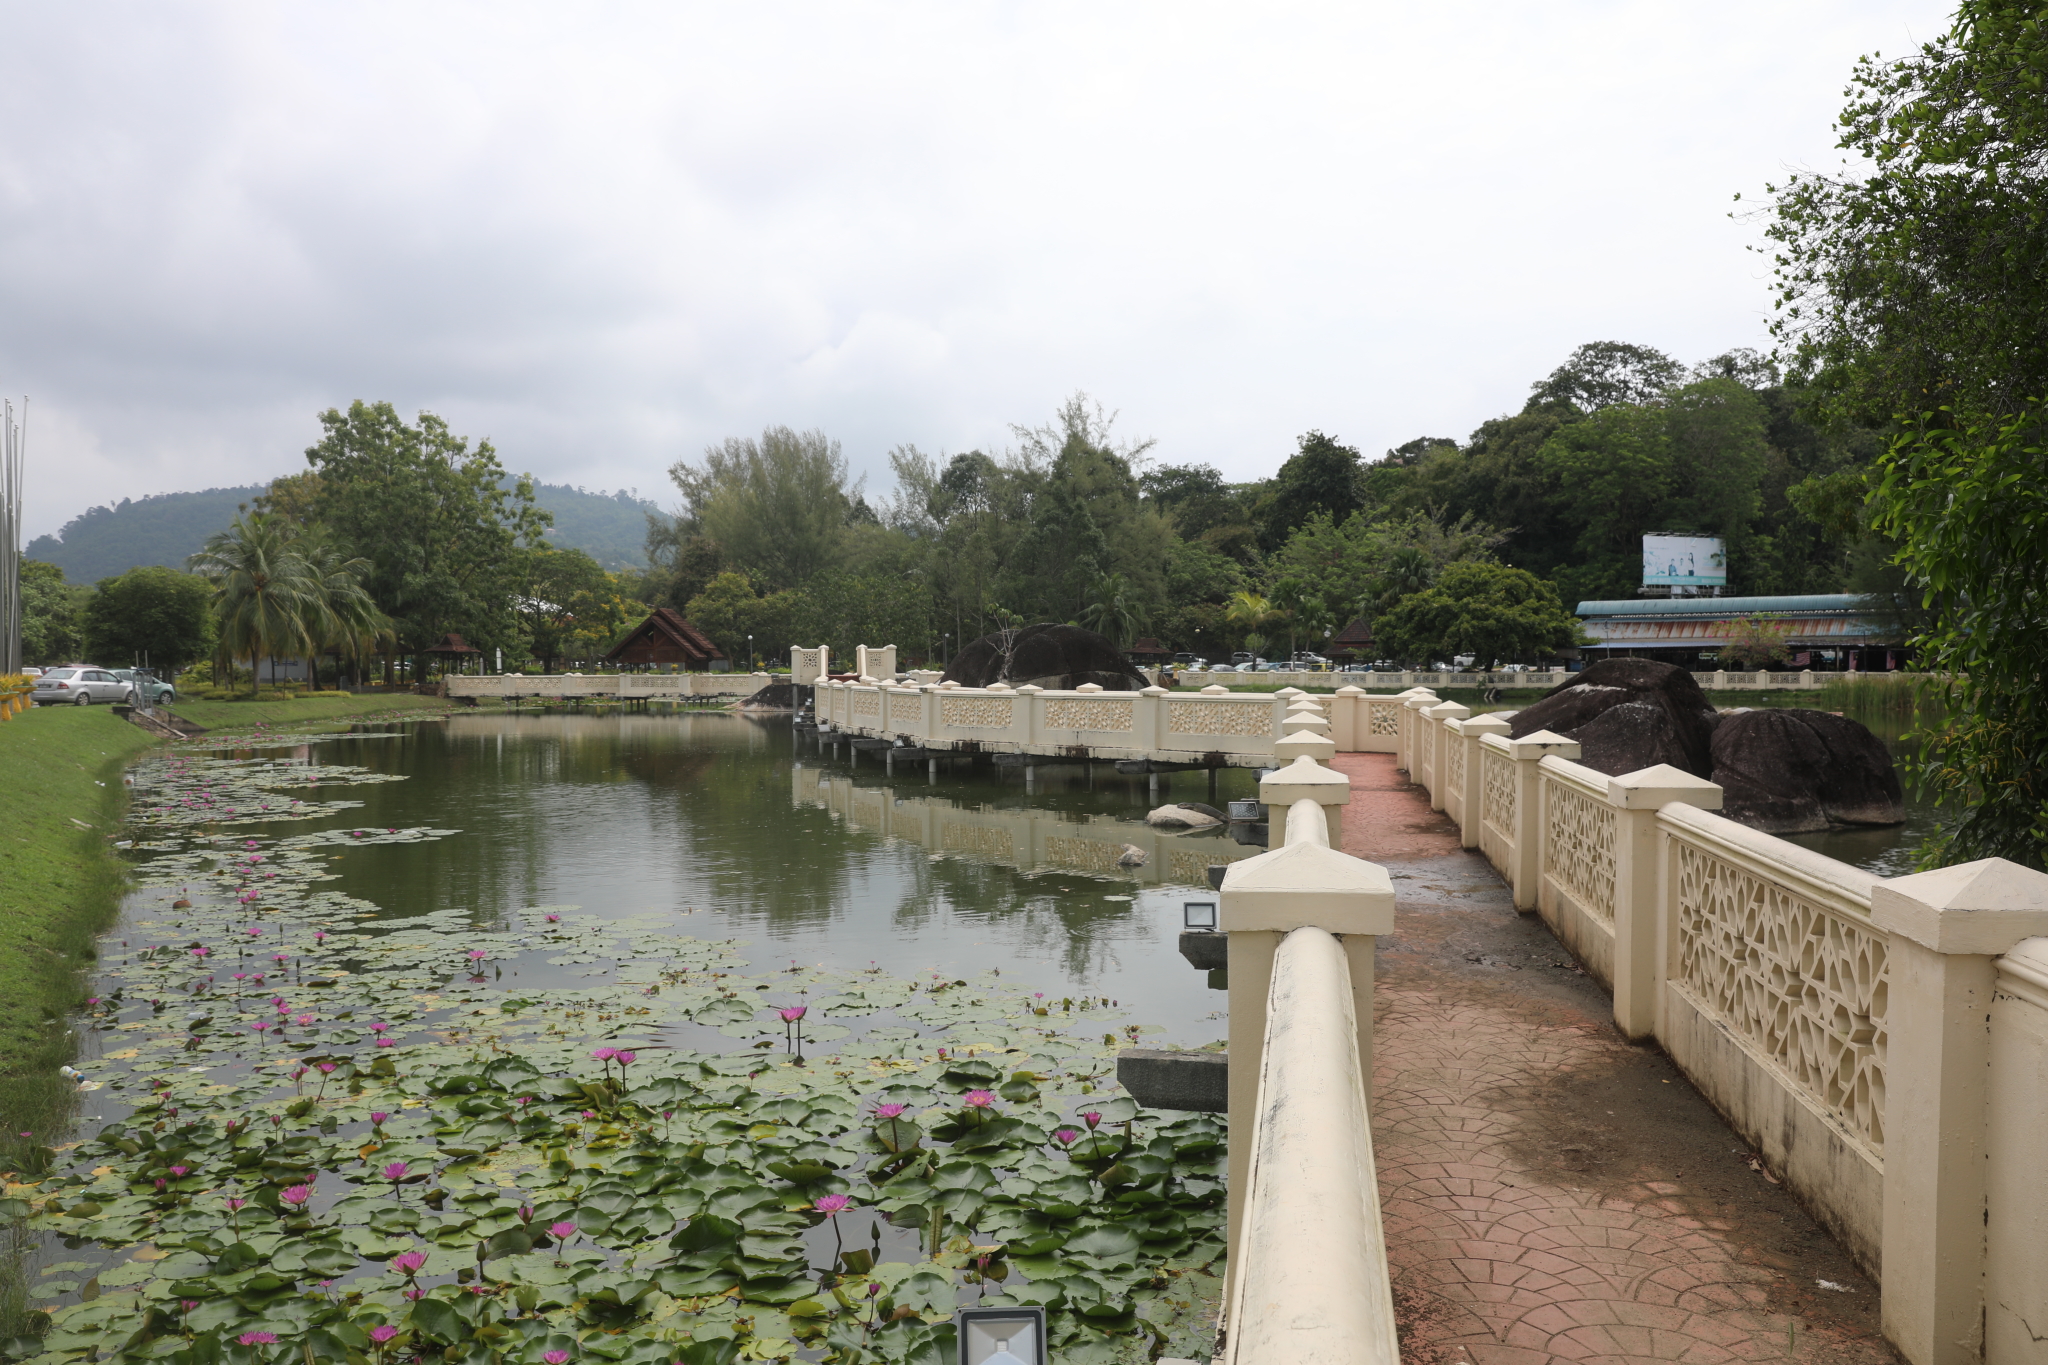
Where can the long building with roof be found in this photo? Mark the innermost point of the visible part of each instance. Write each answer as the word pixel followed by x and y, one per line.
pixel 1829 630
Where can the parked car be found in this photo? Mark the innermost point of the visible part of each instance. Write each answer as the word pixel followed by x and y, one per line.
pixel 31 672
pixel 81 686
pixel 150 690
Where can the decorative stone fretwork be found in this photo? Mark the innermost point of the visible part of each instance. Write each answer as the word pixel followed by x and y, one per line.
pixel 976 713
pixel 867 704
pixel 1578 846
pixel 1219 718
pixel 1385 717
pixel 983 841
pixel 1801 982
pixel 1067 714
pixel 1496 806
pixel 1454 764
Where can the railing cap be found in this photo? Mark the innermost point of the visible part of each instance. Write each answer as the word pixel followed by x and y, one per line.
pixel 1153 691
pixel 1307 744
pixel 1306 885
pixel 1347 690
pixel 1421 703
pixel 1290 692
pixel 1448 710
pixel 1215 690
pixel 1484 725
pixel 1530 748
pixel 1655 787
pixel 1417 692
pixel 1305 778
pixel 1983 907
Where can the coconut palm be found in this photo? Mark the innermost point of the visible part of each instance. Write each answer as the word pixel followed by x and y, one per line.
pixel 1114 610
pixel 344 618
pixel 1249 611
pixel 264 592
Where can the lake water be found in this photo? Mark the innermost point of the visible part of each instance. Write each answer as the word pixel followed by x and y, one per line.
pixel 731 826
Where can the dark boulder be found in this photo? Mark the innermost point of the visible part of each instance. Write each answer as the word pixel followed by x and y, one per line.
pixel 1668 720
pixel 1789 771
pixel 1049 656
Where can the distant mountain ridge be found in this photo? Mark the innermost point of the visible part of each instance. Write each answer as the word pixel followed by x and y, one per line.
pixel 163 528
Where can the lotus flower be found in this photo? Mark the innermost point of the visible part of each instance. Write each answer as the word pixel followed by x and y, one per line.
pixel 792 1013
pixel 305 1019
pixel 327 1068
pixel 1091 1118
pixel 888 1111
pixel 832 1203
pixel 554 919
pixel 980 1099
pixel 562 1229
pixel 555 1357
pixel 257 1339
pixel 387 1042
pixel 378 1118
pixel 477 954
pixel 179 1172
pixel 625 1058
pixel 408 1263
pixel 604 1054
pixel 379 1028
pixel 297 1195
pixel 234 1204
pixel 1065 1136
pixel 382 1333
pixel 395 1171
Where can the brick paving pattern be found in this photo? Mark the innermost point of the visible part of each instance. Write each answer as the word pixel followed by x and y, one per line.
pixel 1552 1193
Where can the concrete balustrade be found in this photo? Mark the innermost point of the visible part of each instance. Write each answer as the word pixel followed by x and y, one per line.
pixel 1308 1269
pixel 608 686
pixel 1883 1044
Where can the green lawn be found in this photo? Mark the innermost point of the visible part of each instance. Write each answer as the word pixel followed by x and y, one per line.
pixel 59 880
pixel 302 714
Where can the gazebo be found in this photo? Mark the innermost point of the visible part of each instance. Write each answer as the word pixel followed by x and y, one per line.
pixel 1148 651
pixel 1352 641
pixel 450 648
pixel 666 638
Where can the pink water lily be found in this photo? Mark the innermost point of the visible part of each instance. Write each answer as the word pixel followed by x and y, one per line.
pixel 297 1195
pixel 604 1054
pixel 832 1203
pixel 888 1111
pixel 1065 1136
pixel 562 1229
pixel 378 1118
pixel 387 1042
pixel 179 1172
pixel 395 1171
pixel 624 1058
pixel 1091 1118
pixel 980 1099
pixel 408 1263
pixel 555 1357
pixel 257 1339
pixel 792 1013
pixel 382 1333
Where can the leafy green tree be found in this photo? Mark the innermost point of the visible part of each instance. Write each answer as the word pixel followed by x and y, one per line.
pixel 343 618
pixel 1115 611
pixel 1755 642
pixel 439 522
pixel 567 604
pixel 151 613
pixel 1922 283
pixel 50 615
pixel 1492 612
pixel 1323 475
pixel 1967 501
pixel 1602 374
pixel 778 506
pixel 265 597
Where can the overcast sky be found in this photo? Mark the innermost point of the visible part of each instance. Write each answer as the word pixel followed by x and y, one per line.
pixel 606 235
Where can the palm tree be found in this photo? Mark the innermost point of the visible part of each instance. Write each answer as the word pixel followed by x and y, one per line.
pixel 344 618
pixel 1250 611
pixel 1114 610
pixel 264 592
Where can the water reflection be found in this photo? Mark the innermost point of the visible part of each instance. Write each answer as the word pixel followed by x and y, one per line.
pixel 735 826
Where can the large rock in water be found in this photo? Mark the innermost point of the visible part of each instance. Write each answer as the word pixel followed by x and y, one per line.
pixel 1788 771
pixel 1048 656
pixel 1628 714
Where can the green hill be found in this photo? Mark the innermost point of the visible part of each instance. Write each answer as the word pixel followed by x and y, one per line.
pixel 165 527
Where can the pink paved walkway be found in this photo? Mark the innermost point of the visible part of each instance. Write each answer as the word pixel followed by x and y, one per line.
pixel 1552 1193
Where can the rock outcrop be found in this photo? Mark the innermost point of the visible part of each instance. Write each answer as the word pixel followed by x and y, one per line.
pixel 1666 718
pixel 1789 771
pixel 1185 815
pixel 1046 655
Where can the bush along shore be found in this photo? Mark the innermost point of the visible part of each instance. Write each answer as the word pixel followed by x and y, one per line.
pixel 317 1132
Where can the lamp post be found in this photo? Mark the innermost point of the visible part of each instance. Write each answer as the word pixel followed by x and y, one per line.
pixel 750 654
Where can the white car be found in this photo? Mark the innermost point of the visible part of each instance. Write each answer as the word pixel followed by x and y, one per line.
pixel 81 687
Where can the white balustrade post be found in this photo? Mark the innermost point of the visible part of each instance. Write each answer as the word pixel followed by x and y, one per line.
pixel 1348 719
pixel 1302 882
pixel 1946 928
pixel 1473 809
pixel 1639 905
pixel 1527 752
pixel 1412 702
pixel 2016 1167
pixel 1441 740
pixel 1305 780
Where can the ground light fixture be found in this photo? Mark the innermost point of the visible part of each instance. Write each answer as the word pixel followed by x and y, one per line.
pixel 1001 1336
pixel 1198 915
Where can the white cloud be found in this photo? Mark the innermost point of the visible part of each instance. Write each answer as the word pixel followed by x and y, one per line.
pixel 605 236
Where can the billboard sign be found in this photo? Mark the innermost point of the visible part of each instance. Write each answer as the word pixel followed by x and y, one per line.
pixel 1684 562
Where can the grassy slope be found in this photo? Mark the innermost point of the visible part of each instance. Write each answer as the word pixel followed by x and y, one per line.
pixel 241 715
pixel 58 883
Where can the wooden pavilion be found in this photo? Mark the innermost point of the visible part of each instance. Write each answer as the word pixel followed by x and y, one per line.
pixel 666 638
pixel 1352 641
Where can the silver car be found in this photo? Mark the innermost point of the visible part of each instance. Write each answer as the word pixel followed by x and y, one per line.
pixel 81 687
pixel 150 690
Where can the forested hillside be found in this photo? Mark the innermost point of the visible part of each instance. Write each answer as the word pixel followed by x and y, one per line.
pixel 164 528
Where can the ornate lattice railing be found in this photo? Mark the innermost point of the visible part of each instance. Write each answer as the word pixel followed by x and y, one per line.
pixel 1579 827
pixel 1496 803
pixel 1775 944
